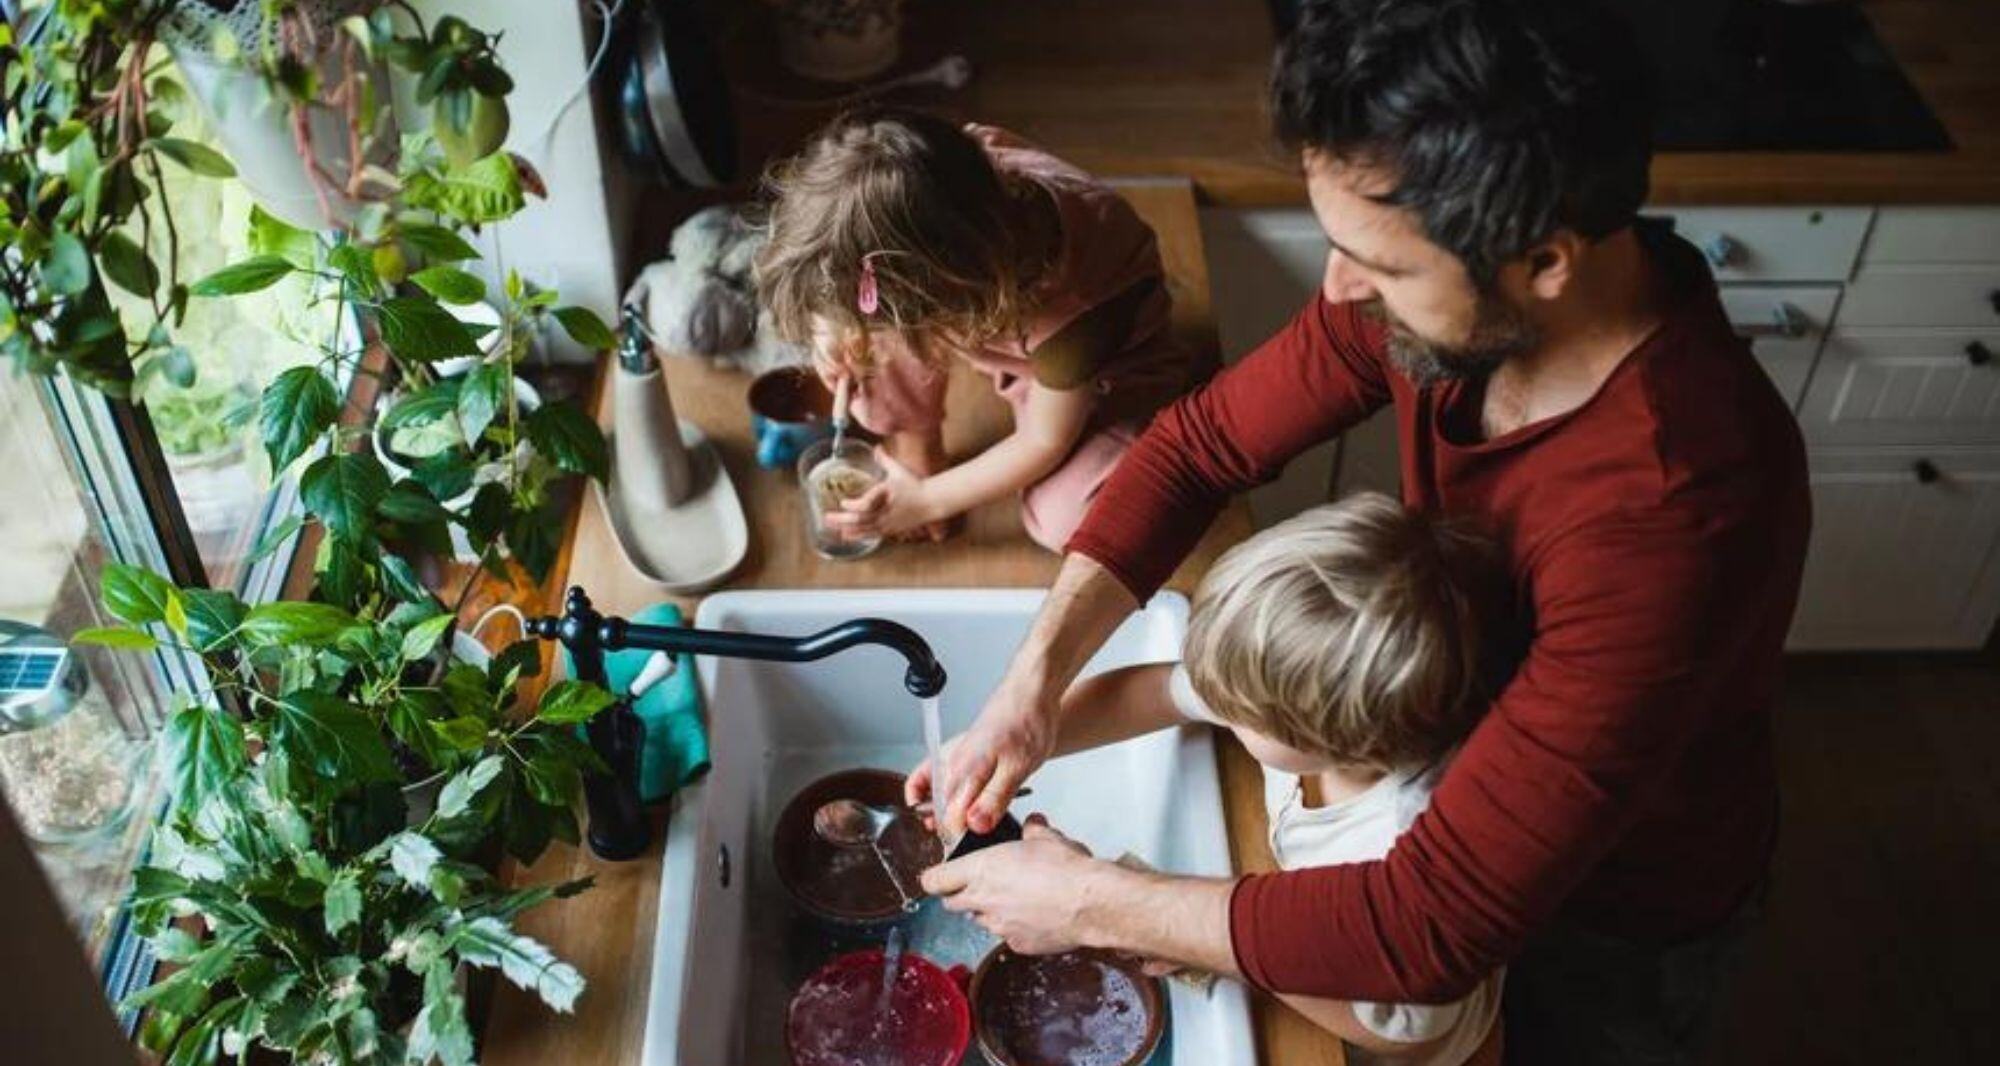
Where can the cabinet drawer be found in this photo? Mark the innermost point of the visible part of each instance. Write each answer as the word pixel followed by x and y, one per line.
pixel 1902 552
pixel 1774 243
pixel 1785 325
pixel 1905 387
pixel 1933 235
pixel 1924 296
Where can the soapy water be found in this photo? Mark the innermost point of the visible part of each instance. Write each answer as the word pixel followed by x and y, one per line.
pixel 1064 1011
pixel 846 1015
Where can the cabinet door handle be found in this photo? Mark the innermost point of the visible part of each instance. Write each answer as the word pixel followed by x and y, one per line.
pixel 1722 250
pixel 1926 471
pixel 1978 354
pixel 1994 299
pixel 1787 323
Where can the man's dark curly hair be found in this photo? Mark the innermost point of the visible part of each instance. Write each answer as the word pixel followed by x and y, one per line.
pixel 1501 121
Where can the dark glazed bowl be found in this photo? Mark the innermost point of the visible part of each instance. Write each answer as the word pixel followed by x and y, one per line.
pixel 1077 1007
pixel 849 886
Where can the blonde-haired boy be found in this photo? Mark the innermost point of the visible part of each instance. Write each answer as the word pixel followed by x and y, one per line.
pixel 1350 649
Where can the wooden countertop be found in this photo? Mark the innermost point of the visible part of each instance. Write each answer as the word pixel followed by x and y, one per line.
pixel 1149 87
pixel 608 932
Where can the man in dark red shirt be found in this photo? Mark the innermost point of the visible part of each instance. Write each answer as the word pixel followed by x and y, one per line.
pixel 1564 373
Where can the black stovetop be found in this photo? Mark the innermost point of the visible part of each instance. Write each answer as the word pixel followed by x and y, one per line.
pixel 1763 75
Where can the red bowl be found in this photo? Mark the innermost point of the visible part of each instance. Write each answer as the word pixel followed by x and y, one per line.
pixel 837 1016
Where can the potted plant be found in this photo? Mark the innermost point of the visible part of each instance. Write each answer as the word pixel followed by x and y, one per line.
pixel 329 898
pixel 332 915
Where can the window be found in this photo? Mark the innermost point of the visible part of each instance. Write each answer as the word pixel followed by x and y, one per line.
pixel 207 427
pixel 77 724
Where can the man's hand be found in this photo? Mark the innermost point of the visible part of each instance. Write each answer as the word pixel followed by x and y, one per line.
pixel 984 766
pixel 1029 893
pixel 1045 894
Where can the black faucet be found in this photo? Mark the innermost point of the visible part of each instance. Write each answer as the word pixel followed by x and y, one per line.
pixel 618 826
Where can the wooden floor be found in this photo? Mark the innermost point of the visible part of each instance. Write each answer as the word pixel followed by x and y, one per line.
pixel 1882 940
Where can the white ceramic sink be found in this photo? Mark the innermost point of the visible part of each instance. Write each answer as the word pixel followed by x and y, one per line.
pixel 720 961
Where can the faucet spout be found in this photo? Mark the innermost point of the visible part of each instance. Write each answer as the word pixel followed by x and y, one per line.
pixel 924 676
pixel 619 828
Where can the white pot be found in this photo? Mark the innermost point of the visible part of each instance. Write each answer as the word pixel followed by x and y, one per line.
pixel 256 135
pixel 839 40
pixel 526 399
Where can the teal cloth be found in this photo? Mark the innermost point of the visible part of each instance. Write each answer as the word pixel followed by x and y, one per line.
pixel 676 747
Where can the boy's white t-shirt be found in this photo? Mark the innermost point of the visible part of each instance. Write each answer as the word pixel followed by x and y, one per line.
pixel 1363 828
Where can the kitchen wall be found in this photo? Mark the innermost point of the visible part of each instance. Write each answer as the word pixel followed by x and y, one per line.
pixel 574 240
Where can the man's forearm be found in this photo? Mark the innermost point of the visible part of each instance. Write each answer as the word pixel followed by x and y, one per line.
pixel 1084 606
pixel 1176 919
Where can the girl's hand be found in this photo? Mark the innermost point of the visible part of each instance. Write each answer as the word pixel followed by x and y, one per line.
pixel 895 505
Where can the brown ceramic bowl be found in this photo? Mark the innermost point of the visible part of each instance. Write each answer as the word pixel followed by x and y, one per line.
pixel 1055 1010
pixel 849 886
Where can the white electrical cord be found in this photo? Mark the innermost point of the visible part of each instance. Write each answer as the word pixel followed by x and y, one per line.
pixel 537 150
pixel 500 608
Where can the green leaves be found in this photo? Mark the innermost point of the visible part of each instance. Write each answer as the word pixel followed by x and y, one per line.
pixel 422 637
pixel 273 236
pixel 413 857
pixel 343 491
pixel 572 702
pixel 288 622
pixel 483 393
pixel 585 328
pixel 198 158
pixel 205 749
pixel 524 961
pixel 134 595
pixel 450 284
pixel 120 637
pixel 570 439
pixel 295 409
pixel 487 191
pixel 458 793
pixel 250 275
pixel 127 265
pixel 212 617
pixel 436 242
pixel 66 271
pixel 421 331
pixel 331 738
pixel 343 902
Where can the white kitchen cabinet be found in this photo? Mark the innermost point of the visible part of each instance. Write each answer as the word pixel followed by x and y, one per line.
pixel 1891 386
pixel 1773 243
pixel 1963 296
pixel 1903 549
pixel 1933 235
pixel 1785 325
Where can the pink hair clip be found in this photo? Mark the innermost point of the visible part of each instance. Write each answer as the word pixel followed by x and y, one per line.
pixel 867 295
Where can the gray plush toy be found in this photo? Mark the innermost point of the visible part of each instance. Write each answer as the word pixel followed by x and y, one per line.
pixel 700 301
